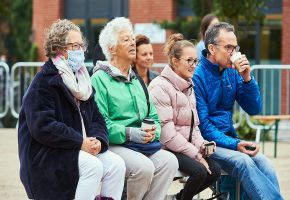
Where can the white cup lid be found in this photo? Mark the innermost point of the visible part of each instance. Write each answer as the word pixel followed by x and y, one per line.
pixel 236 56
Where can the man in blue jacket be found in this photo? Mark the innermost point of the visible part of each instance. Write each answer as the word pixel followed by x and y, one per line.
pixel 218 85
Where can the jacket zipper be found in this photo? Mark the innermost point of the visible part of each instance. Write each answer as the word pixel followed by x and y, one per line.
pixel 222 89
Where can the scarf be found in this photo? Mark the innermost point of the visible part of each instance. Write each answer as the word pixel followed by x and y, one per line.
pixel 79 84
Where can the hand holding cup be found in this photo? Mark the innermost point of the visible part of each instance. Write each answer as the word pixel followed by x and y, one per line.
pixel 241 63
pixel 148 125
pixel 235 60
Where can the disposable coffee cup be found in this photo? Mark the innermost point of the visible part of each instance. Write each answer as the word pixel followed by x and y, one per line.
pixel 234 58
pixel 147 124
pixel 209 148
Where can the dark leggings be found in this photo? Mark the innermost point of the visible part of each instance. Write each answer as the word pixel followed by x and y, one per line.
pixel 199 178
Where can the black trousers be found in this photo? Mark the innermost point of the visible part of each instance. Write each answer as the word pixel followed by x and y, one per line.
pixel 199 179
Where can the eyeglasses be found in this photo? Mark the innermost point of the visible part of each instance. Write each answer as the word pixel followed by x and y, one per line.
pixel 77 46
pixel 191 61
pixel 230 48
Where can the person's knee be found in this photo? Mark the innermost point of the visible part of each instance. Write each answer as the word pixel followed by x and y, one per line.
pixel 97 167
pixel 215 167
pixel 216 171
pixel 144 171
pixel 243 162
pixel 119 165
pixel 198 172
pixel 93 168
pixel 171 162
pixel 168 161
pixel 201 174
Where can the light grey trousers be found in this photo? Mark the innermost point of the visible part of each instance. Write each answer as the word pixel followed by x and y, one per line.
pixel 106 167
pixel 148 177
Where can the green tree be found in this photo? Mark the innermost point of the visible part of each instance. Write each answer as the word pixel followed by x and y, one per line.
pixel 21 29
pixel 16 17
pixel 232 11
pixel 4 15
pixel 15 37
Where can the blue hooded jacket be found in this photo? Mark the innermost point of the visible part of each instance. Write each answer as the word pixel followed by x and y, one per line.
pixel 216 92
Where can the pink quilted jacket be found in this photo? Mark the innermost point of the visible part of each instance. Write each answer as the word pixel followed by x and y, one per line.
pixel 174 99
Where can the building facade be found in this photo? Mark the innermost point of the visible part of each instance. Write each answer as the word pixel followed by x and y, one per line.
pixel 270 47
pixel 91 15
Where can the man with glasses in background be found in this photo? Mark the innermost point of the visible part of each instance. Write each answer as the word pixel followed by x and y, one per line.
pixel 218 84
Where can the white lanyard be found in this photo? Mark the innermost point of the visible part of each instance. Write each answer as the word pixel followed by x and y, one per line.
pixel 82 121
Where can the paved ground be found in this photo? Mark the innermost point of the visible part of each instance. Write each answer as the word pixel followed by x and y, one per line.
pixel 12 189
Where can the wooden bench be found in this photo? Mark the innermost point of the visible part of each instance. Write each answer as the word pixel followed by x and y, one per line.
pixel 272 120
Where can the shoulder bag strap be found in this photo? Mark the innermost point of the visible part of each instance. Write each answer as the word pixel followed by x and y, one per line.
pixel 191 127
pixel 145 91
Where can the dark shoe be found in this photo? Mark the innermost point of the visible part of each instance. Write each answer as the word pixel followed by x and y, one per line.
pixel 179 195
pixel 221 196
pixel 103 198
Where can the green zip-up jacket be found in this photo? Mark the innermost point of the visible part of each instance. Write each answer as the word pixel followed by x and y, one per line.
pixel 121 101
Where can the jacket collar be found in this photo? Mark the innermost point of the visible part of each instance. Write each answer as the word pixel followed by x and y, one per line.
pixel 114 71
pixel 49 69
pixel 214 68
pixel 150 74
pixel 177 82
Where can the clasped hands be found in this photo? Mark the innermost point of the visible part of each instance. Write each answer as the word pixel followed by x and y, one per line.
pixel 91 145
pixel 142 136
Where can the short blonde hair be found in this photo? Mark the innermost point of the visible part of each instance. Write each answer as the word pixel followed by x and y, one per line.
pixel 109 35
pixel 56 36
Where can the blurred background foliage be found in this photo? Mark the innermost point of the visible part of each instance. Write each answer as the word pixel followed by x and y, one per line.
pixel 245 132
pixel 16 30
pixel 232 11
pixel 16 38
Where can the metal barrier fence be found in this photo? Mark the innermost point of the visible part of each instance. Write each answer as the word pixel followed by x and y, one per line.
pixel 4 92
pixel 273 81
pixel 22 74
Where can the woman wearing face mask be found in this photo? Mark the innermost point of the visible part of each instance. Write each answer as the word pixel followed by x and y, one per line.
pixel 63 139
pixel 144 59
pixel 173 95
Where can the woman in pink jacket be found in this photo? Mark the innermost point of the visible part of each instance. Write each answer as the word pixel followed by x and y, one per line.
pixel 173 95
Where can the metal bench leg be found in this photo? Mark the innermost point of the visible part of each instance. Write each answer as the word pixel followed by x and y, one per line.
pixel 238 188
pixel 276 137
pixel 258 135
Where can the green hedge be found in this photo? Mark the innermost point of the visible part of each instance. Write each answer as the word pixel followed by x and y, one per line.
pixel 245 132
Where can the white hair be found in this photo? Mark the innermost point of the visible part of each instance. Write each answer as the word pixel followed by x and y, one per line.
pixel 109 35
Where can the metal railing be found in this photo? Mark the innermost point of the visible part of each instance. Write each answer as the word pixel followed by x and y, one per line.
pixel 22 74
pixel 4 91
pixel 268 78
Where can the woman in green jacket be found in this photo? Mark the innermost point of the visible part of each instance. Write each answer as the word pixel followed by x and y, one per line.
pixel 122 101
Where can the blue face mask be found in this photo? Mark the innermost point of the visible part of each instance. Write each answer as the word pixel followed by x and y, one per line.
pixel 76 59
